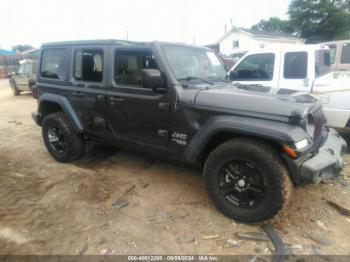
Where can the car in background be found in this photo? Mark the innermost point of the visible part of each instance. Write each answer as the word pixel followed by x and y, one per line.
pixel 305 68
pixel 340 55
pixel 24 78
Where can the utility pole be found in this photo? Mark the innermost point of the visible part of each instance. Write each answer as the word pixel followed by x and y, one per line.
pixel 127 35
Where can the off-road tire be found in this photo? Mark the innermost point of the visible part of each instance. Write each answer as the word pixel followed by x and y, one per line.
pixel 75 143
pixel 15 90
pixel 266 159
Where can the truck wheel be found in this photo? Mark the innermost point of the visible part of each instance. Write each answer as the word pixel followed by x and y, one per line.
pixel 15 90
pixel 246 180
pixel 63 143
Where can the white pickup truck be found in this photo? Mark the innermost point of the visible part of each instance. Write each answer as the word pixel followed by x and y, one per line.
pixel 302 68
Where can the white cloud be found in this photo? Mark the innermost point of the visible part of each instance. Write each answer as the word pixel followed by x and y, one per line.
pixel 36 21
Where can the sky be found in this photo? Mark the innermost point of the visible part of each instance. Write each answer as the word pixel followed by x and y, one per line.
pixel 192 21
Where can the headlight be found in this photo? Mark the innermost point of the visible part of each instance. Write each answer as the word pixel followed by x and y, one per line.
pixel 301 144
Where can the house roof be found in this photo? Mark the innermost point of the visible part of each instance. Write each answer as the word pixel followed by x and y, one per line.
pixel 6 52
pixel 256 33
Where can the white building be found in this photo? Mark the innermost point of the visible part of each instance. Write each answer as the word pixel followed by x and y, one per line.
pixel 242 40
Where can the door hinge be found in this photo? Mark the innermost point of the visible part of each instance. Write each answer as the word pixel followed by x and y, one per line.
pixel 164 106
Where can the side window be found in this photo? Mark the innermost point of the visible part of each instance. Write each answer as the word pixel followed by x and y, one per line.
pixel 322 62
pixel 88 65
pixel 28 68
pixel 53 64
pixel 345 54
pixel 295 65
pixel 129 65
pixel 34 67
pixel 255 67
pixel 332 52
pixel 21 69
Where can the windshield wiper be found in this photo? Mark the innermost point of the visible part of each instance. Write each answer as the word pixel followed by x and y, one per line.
pixel 189 78
pixel 218 79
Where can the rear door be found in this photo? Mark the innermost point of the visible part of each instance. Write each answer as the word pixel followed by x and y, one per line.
pixel 136 113
pixel 88 86
pixel 260 69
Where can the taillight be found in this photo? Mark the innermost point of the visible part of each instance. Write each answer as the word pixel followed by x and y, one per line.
pixel 35 92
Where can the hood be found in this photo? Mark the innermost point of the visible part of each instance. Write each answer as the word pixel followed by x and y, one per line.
pixel 255 103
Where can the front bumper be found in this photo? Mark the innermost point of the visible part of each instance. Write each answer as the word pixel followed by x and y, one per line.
pixel 328 162
pixel 37 118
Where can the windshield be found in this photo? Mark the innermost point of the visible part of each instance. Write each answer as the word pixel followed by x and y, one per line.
pixel 189 63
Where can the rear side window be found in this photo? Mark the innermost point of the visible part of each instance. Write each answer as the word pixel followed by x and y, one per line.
pixel 255 67
pixel 88 65
pixel 53 64
pixel 295 65
pixel 345 54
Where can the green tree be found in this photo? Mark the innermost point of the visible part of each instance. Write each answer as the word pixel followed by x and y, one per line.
pixel 273 24
pixel 320 20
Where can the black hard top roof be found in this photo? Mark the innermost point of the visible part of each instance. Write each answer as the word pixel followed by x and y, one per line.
pixel 114 42
pixel 96 42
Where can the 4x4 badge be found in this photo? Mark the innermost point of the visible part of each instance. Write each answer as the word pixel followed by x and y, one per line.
pixel 179 138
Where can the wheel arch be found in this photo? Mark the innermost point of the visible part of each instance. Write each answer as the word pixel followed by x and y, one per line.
pixel 219 129
pixel 225 135
pixel 52 103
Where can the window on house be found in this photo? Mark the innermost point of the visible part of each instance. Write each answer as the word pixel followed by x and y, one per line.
pixel 53 64
pixel 129 65
pixel 88 65
pixel 255 67
pixel 235 44
pixel 345 54
pixel 295 65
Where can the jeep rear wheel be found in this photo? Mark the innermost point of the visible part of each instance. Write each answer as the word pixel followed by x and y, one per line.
pixel 15 90
pixel 246 180
pixel 60 139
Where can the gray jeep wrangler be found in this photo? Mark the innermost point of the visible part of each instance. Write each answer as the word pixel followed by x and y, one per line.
pixel 174 101
pixel 25 77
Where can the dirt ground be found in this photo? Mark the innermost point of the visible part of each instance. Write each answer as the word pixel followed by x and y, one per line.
pixel 52 208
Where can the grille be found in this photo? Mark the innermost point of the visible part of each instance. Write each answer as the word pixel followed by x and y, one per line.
pixel 318 120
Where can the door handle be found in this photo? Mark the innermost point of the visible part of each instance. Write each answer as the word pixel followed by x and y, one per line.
pixel 78 94
pixel 116 100
pixel 163 106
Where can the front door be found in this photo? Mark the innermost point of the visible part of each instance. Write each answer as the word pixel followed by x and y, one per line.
pixel 88 87
pixel 136 113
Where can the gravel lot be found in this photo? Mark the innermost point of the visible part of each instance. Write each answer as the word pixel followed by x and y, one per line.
pixel 52 208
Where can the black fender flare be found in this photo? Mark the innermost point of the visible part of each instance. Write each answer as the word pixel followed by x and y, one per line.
pixel 279 132
pixel 66 106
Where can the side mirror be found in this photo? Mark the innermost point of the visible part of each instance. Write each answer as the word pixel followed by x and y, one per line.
pixel 152 78
pixel 233 75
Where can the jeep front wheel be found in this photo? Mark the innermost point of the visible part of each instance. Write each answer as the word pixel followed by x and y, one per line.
pixel 63 143
pixel 246 180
